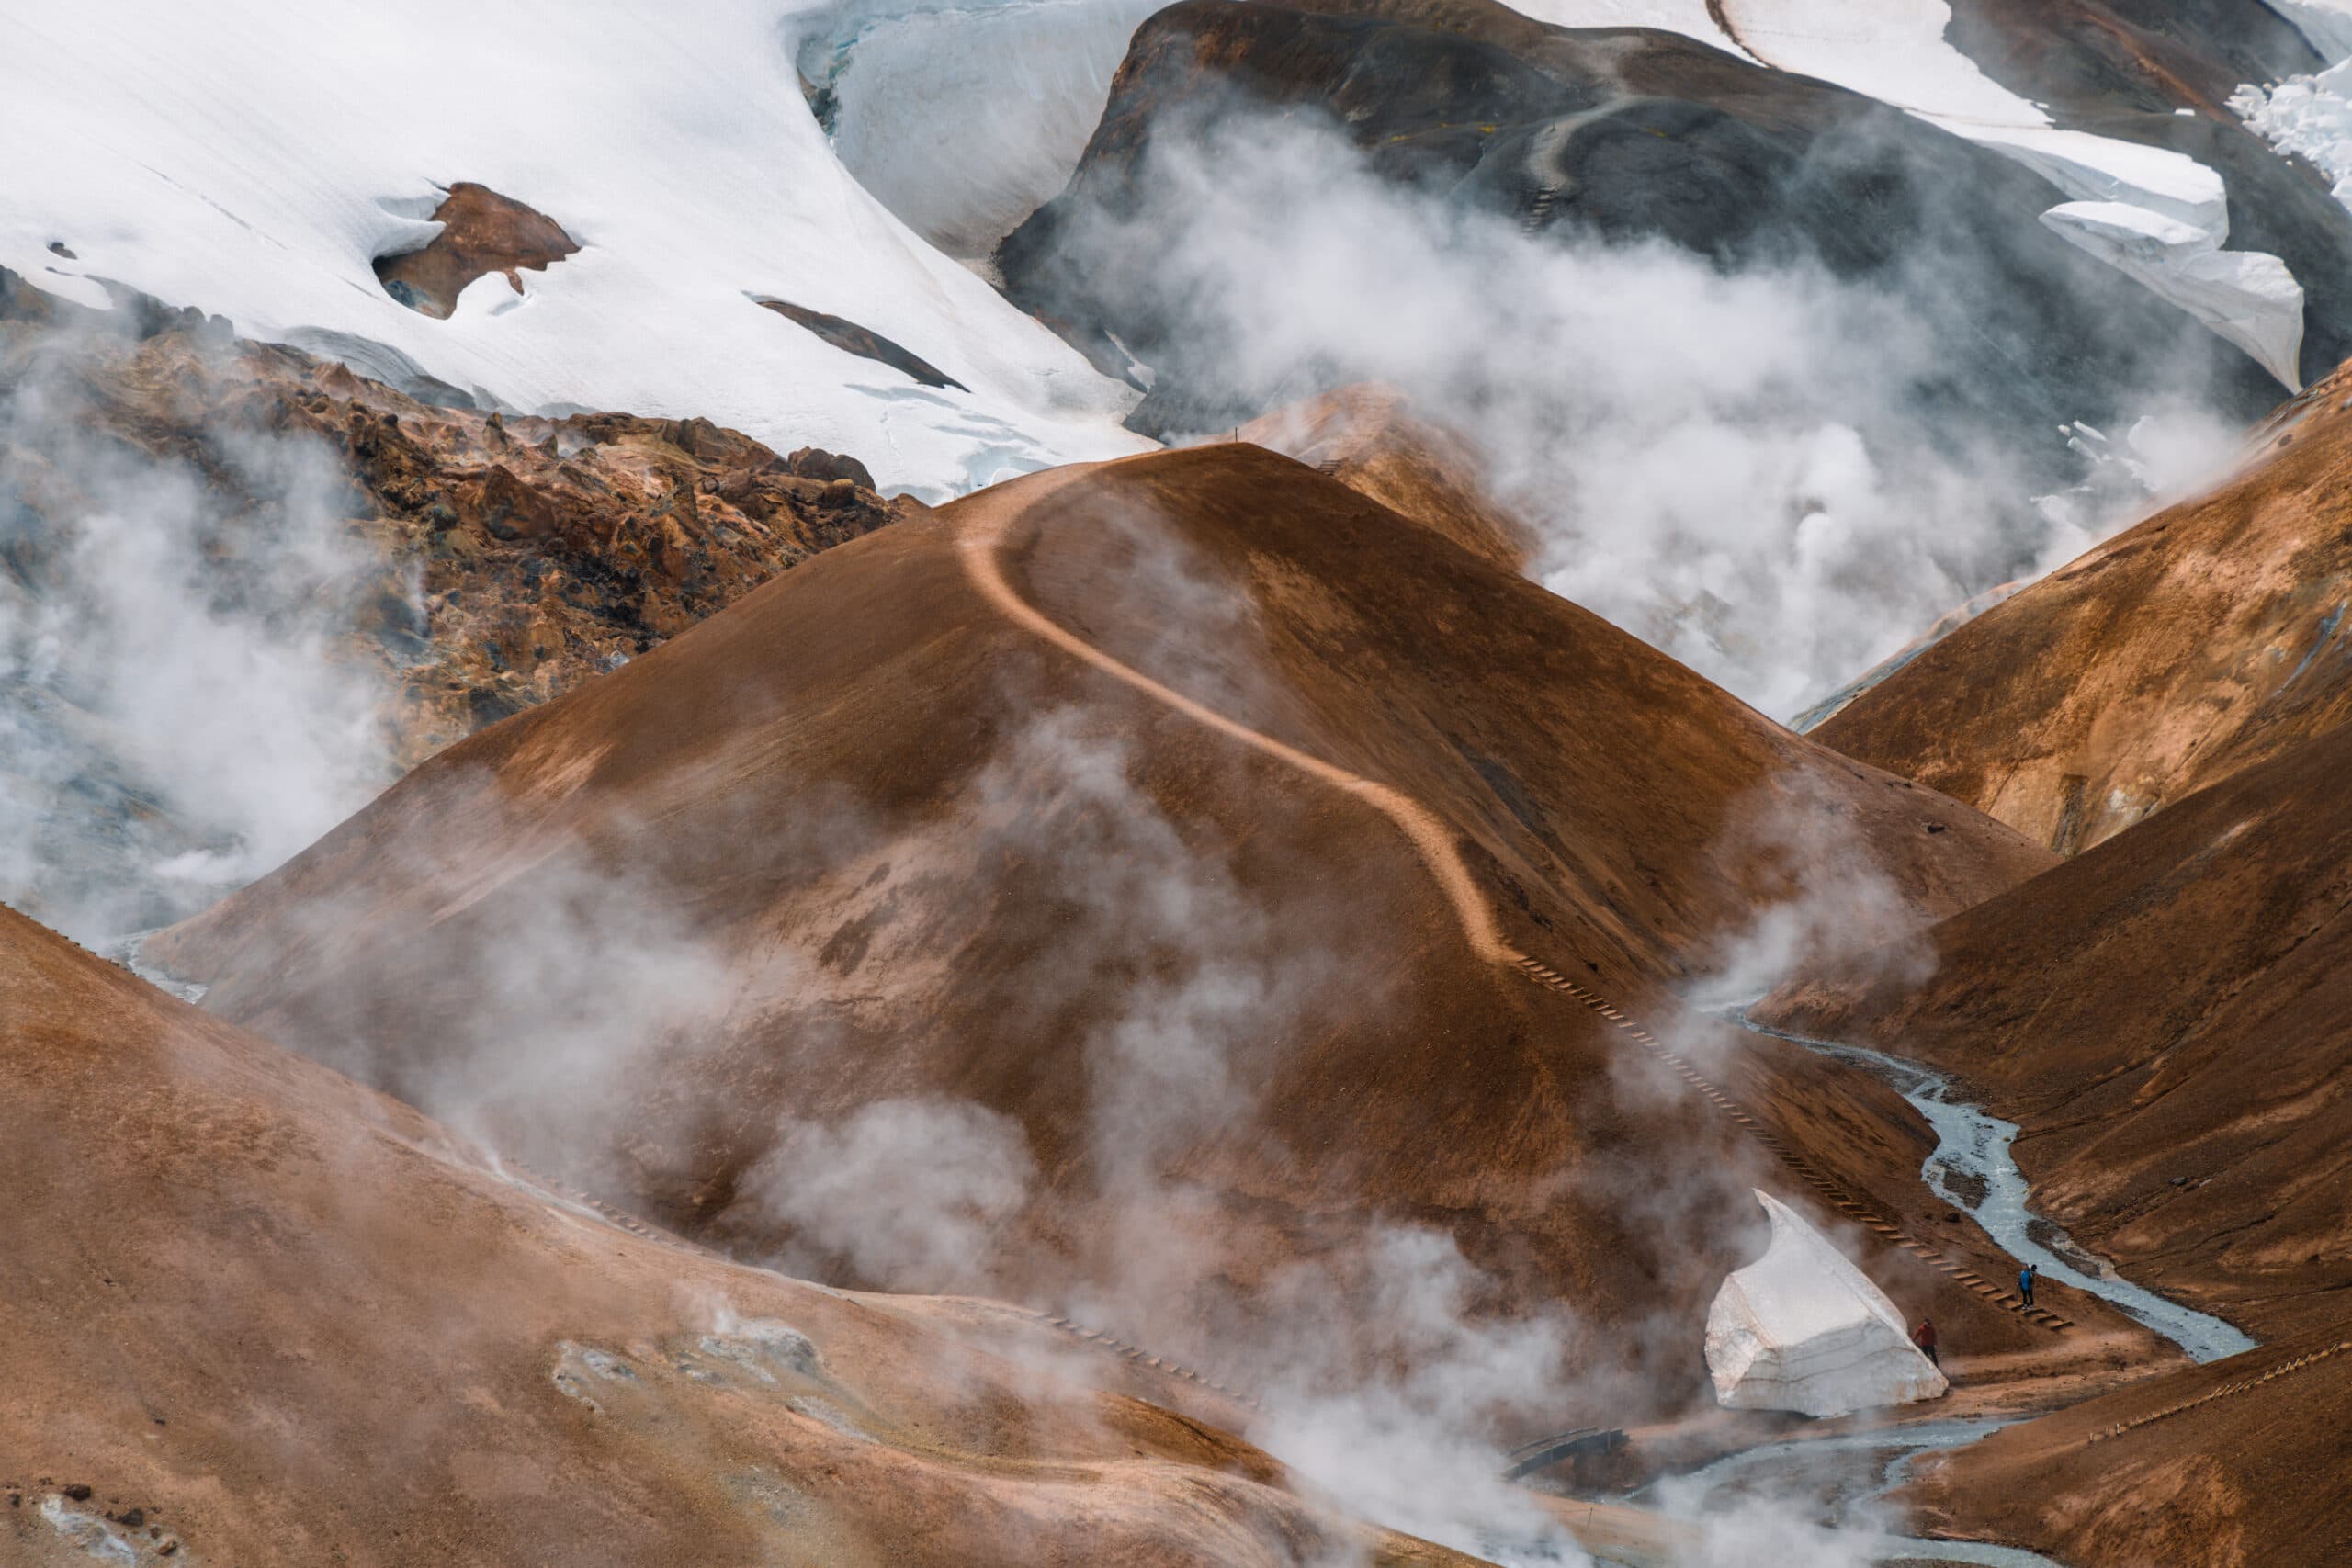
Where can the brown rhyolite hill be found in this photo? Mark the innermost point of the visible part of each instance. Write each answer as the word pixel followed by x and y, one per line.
pixel 930 852
pixel 2204 640
pixel 2166 1015
pixel 258 1314
pixel 2233 1464
pixel 520 555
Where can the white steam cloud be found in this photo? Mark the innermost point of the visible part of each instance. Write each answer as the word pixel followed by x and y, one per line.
pixel 909 1191
pixel 178 712
pixel 1684 437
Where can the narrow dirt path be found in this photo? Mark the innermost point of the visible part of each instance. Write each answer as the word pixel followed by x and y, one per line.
pixel 982 523
pixel 986 517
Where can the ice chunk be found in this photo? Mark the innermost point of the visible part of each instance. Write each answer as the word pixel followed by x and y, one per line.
pixel 2247 298
pixel 1802 1329
pixel 1014 86
pixel 2099 168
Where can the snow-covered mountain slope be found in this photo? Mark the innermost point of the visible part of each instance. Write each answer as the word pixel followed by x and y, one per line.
pixel 2308 117
pixel 253 158
pixel 2326 23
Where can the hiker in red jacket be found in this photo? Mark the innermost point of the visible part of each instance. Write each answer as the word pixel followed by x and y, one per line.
pixel 1924 1336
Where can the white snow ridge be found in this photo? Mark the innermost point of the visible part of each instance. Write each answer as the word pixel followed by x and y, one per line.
pixel 1802 1329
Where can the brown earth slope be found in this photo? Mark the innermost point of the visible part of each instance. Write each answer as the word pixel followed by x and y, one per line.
pixel 1175 811
pixel 2165 1017
pixel 258 1314
pixel 2232 1465
pixel 2184 649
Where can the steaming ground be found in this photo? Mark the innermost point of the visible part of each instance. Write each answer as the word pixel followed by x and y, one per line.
pixel 178 712
pixel 674 935
pixel 1732 463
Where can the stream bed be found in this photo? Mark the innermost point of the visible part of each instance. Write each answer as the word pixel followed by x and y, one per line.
pixel 1973 1170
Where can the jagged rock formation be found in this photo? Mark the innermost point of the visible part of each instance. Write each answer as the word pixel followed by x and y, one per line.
pixel 2170 657
pixel 495 561
pixel 2237 1462
pixel 481 233
pixel 851 338
pixel 905 838
pixel 263 1316
pixel 1618 135
pixel 1802 1329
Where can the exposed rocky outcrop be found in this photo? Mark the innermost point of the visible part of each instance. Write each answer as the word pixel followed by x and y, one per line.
pixel 851 338
pixel 481 233
pixel 486 562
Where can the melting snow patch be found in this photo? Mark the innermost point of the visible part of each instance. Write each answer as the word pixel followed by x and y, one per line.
pixel 1802 1329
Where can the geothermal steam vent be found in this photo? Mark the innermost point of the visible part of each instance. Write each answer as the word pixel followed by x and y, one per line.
pixel 1802 1329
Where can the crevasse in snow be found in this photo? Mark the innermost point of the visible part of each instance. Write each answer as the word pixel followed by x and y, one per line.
pixel 1802 1329
pixel 253 157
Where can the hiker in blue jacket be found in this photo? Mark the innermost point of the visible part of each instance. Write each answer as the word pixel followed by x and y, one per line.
pixel 2025 1284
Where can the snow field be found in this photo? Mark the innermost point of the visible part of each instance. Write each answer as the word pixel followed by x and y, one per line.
pixel 195 153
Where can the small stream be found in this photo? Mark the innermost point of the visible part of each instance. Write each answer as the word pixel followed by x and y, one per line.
pixel 1973 1170
pixel 129 952
pixel 1843 1478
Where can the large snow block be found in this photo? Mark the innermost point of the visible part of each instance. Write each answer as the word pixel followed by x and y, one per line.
pixel 1802 1329
pixel 2246 297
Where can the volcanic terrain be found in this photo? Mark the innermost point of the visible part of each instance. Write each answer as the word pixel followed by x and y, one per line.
pixel 498 562
pixel 258 1313
pixel 1185 812
pixel 1622 135
pixel 1239 983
